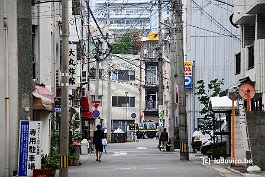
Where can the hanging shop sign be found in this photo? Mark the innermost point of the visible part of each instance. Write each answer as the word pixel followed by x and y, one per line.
pixel 73 65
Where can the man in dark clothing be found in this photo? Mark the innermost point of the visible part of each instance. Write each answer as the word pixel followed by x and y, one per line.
pixel 97 141
pixel 163 139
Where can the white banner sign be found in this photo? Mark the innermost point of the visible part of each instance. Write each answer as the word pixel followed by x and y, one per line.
pixel 73 66
pixel 243 126
pixel 29 154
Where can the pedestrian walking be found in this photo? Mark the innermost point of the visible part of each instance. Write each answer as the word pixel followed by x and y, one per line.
pixel 97 141
pixel 163 139
pixel 105 144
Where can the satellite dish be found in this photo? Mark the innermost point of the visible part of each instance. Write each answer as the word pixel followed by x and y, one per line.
pixel 246 89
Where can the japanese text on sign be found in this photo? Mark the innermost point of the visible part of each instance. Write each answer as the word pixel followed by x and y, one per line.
pixel 29 147
pixel 72 65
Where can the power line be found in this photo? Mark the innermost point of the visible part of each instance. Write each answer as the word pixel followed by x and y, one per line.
pixel 216 22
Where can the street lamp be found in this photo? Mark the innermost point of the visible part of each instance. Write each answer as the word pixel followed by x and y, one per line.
pixel 126 93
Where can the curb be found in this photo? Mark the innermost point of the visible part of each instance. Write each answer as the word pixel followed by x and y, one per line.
pixel 218 171
pixel 233 170
pixel 208 166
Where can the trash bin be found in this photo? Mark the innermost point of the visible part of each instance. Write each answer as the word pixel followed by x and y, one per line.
pixel 84 146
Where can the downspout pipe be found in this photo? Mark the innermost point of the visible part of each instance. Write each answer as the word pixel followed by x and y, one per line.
pixel 5 28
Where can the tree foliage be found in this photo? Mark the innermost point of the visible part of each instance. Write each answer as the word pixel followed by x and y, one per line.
pixel 128 43
pixel 204 94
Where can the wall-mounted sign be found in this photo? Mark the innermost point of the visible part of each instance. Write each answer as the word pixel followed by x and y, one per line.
pixel 188 74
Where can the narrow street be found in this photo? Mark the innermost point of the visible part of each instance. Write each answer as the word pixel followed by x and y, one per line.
pixel 141 159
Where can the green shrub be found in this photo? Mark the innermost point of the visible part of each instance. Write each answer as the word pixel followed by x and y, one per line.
pixel 50 161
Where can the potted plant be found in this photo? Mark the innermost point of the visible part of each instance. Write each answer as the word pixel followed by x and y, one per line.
pixel 51 162
pixel 73 159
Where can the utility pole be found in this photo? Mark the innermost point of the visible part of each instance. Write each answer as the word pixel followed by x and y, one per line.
pixel 126 112
pixel 177 61
pixel 97 69
pixel 7 116
pixel 160 66
pixel 109 113
pixel 64 122
pixel 98 44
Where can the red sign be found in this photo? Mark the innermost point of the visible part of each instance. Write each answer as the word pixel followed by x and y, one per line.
pixel 96 104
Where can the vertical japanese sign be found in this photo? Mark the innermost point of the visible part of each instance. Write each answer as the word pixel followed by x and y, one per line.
pixel 29 147
pixel 188 74
pixel 243 126
pixel 72 66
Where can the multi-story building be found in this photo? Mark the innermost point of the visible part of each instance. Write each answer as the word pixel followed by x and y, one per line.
pixel 125 90
pixel 122 16
pixel 213 43
pixel 249 67
pixel 249 61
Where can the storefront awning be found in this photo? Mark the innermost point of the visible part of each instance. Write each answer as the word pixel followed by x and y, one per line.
pixel 42 99
pixel 85 108
pixel 221 104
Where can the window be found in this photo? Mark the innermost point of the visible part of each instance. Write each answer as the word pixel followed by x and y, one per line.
pixel 120 101
pixel 151 75
pixel 251 57
pixel 93 98
pixel 93 73
pixel 238 63
pixel 126 75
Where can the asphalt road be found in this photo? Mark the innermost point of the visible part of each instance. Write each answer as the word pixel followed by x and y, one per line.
pixel 139 159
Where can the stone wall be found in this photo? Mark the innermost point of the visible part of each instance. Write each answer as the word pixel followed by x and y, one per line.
pixel 256 128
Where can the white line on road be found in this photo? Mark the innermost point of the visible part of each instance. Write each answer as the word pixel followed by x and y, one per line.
pixel 141 148
pixel 119 153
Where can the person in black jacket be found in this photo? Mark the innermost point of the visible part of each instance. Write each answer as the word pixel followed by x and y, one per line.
pixel 163 139
pixel 97 141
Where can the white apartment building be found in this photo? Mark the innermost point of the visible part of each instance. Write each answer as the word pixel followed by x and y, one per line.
pixel 250 61
pixel 125 88
pixel 249 66
pixel 122 16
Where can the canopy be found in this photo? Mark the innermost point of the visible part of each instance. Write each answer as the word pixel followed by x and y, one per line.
pixel 43 99
pixel 221 104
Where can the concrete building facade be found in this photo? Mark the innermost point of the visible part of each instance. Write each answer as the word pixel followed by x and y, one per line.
pixel 249 67
pixel 125 87
pixel 124 16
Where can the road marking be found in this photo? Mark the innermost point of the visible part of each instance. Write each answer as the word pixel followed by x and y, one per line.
pixel 141 148
pixel 119 153
pixel 135 168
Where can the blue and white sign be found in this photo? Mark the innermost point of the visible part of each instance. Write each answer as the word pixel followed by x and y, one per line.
pixel 133 115
pixel 188 74
pixel 96 113
pixel 29 153
pixel 188 81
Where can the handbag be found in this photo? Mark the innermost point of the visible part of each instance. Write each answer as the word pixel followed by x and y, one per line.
pixel 104 142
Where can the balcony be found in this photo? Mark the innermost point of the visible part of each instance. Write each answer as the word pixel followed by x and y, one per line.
pixel 151 109
pixel 245 9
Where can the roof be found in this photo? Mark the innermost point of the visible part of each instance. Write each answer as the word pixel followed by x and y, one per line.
pixel 220 104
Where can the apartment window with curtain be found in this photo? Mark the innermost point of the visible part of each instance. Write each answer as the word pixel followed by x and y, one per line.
pixel 251 57
pixel 238 63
